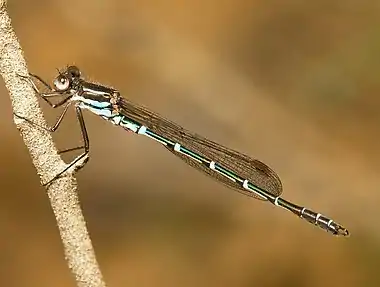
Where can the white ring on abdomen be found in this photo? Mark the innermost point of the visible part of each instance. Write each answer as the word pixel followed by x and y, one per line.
pixel 141 130
pixel 177 147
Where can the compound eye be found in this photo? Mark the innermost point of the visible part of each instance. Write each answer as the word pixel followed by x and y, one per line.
pixel 61 83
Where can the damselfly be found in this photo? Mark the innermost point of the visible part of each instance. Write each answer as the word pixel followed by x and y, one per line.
pixel 236 170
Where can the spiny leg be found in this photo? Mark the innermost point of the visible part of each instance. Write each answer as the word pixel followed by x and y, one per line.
pixel 85 147
pixel 55 127
pixel 28 79
pixel 52 128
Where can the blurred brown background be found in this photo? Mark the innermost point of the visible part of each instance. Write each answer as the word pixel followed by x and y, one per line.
pixel 293 83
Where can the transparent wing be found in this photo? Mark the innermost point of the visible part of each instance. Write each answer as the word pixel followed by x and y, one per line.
pixel 253 170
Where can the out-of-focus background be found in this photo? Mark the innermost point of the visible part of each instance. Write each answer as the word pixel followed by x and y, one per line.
pixel 292 83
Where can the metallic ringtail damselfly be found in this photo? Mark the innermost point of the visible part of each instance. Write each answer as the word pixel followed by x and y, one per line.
pixel 236 170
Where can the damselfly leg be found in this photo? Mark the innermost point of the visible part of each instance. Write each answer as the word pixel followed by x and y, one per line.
pixel 50 94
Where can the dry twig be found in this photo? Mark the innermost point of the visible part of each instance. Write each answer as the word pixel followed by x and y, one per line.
pixel 62 193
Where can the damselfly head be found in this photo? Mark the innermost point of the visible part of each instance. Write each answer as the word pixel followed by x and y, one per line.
pixel 64 80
